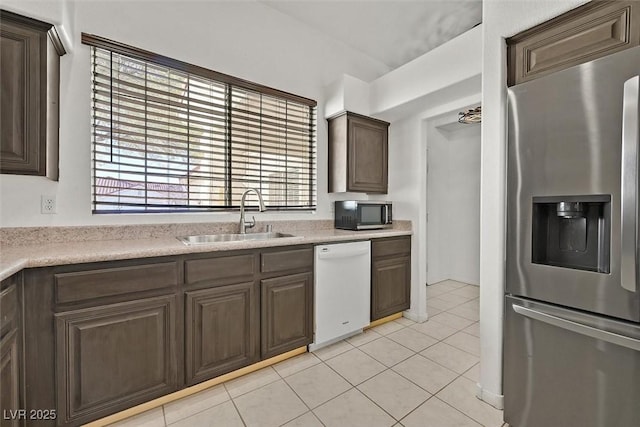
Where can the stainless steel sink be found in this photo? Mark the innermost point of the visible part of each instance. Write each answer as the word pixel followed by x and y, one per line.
pixel 204 239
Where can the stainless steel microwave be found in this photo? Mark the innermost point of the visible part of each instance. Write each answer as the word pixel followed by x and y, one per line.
pixel 363 215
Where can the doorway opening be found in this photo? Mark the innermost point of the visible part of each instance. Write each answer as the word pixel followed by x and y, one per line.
pixel 453 204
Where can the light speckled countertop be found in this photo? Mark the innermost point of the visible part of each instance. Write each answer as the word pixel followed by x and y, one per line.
pixel 16 258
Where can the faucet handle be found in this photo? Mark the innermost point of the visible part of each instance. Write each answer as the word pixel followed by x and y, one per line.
pixel 250 224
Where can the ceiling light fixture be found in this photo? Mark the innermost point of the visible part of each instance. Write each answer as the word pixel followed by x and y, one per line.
pixel 471 116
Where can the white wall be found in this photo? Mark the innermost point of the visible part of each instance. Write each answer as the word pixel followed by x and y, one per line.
pixel 350 94
pixel 244 39
pixel 408 140
pixel 464 204
pixel 423 83
pixel 405 171
pixel 453 201
pixel 444 79
pixel 500 19
pixel 56 12
pixel 438 226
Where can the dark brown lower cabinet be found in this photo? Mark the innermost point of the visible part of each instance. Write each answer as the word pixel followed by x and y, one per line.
pixel 221 330
pixel 112 357
pixel 390 276
pixel 390 293
pixel 103 337
pixel 287 313
pixel 9 380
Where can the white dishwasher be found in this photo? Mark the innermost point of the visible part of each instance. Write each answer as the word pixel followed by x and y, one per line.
pixel 342 291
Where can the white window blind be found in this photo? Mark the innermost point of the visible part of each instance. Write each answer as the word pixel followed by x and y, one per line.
pixel 166 138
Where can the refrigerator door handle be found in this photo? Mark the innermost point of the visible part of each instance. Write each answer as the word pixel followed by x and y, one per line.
pixel 629 185
pixel 578 328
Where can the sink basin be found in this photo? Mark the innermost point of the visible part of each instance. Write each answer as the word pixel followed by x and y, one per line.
pixel 204 239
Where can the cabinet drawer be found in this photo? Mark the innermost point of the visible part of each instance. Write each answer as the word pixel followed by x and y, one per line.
pixel 393 246
pixel 8 308
pixel 84 285
pixel 293 259
pixel 224 268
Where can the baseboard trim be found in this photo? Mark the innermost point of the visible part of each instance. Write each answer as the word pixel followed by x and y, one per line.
pixel 412 315
pixel 495 400
pixel 193 389
pixel 384 320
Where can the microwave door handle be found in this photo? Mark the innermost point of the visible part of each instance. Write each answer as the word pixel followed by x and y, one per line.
pixel 629 185
pixel 386 214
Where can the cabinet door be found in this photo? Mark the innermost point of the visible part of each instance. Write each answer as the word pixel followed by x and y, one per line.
pixel 29 74
pixel 8 306
pixel 287 313
pixel 9 380
pixel 221 330
pixel 22 147
pixel 581 35
pixel 390 286
pixel 112 357
pixel 367 156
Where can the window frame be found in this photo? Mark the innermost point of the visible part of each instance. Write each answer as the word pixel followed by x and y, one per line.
pixel 233 82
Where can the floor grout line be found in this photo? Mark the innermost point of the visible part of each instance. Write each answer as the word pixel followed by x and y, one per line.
pixel 164 416
pixel 233 402
pixel 397 420
pixel 351 347
pixel 356 386
pixel 458 410
pixel 294 391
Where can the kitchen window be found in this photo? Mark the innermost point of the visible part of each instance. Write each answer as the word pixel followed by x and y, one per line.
pixel 170 136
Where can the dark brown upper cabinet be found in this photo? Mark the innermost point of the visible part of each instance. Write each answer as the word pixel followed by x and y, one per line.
pixel 358 154
pixel 30 53
pixel 588 32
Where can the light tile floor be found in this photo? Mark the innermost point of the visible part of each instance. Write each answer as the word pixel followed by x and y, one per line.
pixel 401 373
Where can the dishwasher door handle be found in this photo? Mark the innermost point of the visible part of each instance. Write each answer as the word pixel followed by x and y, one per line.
pixel 326 253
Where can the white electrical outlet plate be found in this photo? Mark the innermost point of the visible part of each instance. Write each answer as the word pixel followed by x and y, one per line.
pixel 48 204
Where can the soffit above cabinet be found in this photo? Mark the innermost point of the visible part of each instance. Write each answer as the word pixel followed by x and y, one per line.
pixel 392 32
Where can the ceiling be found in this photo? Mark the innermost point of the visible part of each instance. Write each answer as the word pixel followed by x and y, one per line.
pixel 391 31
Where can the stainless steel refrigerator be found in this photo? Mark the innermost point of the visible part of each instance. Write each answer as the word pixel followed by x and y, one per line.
pixel 572 303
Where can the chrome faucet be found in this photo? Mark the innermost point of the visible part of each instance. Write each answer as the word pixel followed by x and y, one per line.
pixel 243 224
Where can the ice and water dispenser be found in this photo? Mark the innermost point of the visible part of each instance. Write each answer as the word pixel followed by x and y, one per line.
pixel 572 232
